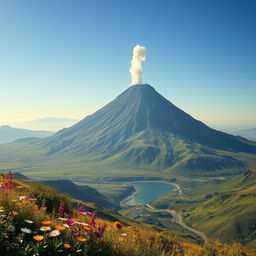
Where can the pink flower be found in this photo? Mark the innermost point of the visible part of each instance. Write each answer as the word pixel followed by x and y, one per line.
pixel 61 209
pixel 70 222
pixel 92 220
pixel 99 233
pixel 85 213
pixel 74 233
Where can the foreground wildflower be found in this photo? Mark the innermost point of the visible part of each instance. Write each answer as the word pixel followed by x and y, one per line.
pixel 45 228
pixel 29 221
pixel 99 233
pixel 86 213
pixel 46 222
pixel 87 228
pixel 59 227
pixel 74 233
pixel 19 187
pixel 26 230
pixel 38 238
pixel 64 219
pixel 118 225
pixel 67 246
pixel 14 213
pixel 32 199
pixel 61 210
pixel 54 233
pixel 70 222
pixel 81 239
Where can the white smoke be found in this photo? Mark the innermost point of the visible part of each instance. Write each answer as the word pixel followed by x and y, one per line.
pixel 136 64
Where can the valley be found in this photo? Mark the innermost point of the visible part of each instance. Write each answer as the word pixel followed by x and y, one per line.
pixel 200 208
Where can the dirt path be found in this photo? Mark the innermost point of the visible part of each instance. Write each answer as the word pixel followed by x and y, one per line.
pixel 176 217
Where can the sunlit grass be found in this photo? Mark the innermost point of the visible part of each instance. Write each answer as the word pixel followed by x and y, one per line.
pixel 36 220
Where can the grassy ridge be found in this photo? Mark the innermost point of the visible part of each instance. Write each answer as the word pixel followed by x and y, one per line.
pixel 222 208
pixel 95 236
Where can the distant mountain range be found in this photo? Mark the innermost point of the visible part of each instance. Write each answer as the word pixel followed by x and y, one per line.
pixel 140 130
pixel 250 134
pixel 47 123
pixel 9 134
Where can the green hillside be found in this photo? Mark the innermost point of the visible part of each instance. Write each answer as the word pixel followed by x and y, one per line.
pixel 222 208
pixel 83 193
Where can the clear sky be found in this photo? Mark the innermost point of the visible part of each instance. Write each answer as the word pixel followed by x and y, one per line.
pixel 69 58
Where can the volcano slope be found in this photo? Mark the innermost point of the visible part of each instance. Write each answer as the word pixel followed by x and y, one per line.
pixel 140 133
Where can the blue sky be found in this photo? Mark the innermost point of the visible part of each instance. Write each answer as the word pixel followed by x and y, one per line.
pixel 69 58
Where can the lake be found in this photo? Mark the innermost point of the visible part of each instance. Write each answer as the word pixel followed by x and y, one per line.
pixel 149 191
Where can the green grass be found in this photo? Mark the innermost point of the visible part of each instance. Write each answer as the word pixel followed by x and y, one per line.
pixel 222 208
pixel 162 220
pixel 117 192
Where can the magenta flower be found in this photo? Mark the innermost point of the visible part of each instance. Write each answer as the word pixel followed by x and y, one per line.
pixel 85 213
pixel 70 222
pixel 99 233
pixel 74 233
pixel 61 210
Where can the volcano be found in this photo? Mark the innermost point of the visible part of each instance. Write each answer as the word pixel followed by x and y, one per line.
pixel 140 128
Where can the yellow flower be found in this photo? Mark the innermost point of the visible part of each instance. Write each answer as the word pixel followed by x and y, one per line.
pixel 38 238
pixel 45 228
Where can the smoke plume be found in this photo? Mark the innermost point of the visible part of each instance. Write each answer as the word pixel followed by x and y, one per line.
pixel 136 64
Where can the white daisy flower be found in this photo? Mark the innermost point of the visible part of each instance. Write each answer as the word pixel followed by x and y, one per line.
pixel 22 197
pixel 26 230
pixel 55 232
pixel 45 228
pixel 82 223
pixel 29 221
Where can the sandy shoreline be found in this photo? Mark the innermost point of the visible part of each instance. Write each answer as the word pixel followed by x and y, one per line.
pixel 122 203
pixel 177 188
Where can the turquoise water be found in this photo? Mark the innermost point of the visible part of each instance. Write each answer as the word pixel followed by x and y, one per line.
pixel 149 191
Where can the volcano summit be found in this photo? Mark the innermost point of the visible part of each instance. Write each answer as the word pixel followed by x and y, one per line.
pixel 141 129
